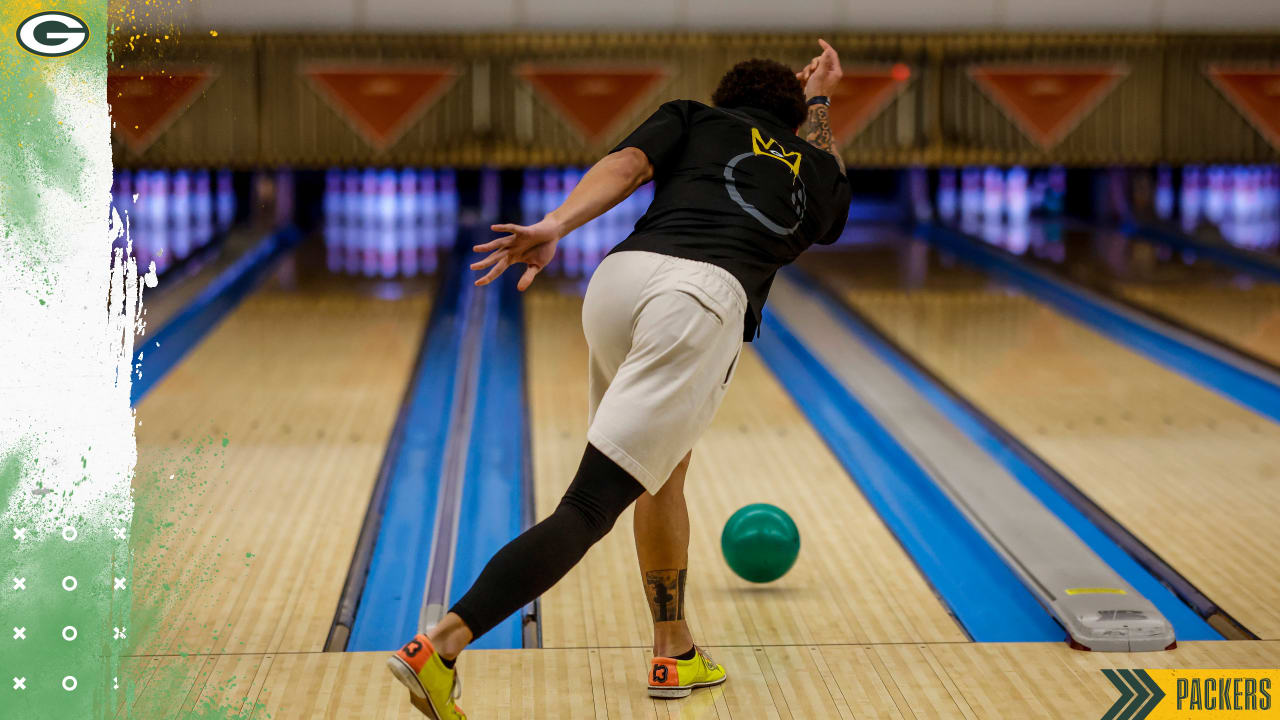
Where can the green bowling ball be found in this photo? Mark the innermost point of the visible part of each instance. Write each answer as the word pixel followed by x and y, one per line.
pixel 760 542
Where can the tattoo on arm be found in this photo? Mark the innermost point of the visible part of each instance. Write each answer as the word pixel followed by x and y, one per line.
pixel 665 591
pixel 817 131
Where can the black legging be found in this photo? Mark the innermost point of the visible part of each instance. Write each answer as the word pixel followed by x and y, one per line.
pixel 529 565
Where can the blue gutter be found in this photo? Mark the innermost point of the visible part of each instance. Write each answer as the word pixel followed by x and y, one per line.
pixel 495 495
pixel 1035 475
pixel 162 351
pixel 387 612
pixel 987 599
pixel 1214 371
pixel 1243 260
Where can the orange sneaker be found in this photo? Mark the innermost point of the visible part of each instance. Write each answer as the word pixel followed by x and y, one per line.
pixel 432 686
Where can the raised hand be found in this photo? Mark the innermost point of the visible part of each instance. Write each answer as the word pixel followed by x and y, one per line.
pixel 531 245
pixel 823 73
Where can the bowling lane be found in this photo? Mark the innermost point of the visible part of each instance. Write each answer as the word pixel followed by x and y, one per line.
pixel 853 583
pixel 1190 473
pixel 262 447
pixel 1230 306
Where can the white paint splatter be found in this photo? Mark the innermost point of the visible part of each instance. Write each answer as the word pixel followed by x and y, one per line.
pixel 68 327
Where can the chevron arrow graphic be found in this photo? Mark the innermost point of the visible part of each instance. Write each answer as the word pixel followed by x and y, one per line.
pixel 1139 695
pixel 1156 695
pixel 1126 694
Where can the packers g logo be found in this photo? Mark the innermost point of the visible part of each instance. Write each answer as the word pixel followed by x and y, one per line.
pixel 52 34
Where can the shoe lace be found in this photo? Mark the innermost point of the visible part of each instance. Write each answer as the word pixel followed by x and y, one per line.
pixel 456 691
pixel 706 655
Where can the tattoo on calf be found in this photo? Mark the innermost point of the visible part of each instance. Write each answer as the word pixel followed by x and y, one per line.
pixel 665 590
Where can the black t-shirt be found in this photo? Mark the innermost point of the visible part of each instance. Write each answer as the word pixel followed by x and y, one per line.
pixel 738 189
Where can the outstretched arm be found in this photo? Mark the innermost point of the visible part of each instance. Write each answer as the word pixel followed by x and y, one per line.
pixel 606 184
pixel 820 78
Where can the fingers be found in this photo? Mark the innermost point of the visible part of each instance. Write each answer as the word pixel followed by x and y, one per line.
pixel 495 244
pixel 526 279
pixel 507 228
pixel 487 261
pixel 496 271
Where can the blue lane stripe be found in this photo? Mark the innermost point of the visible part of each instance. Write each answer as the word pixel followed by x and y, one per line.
pixel 162 351
pixel 494 496
pixel 1232 382
pixel 986 597
pixel 1188 625
pixel 392 598
pixel 1251 262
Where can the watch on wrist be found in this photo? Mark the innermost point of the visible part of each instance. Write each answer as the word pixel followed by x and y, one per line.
pixel 820 100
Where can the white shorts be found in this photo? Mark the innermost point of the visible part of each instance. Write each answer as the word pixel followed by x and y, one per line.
pixel 665 335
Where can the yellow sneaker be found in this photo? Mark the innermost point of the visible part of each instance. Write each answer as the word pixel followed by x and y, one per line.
pixel 672 678
pixel 432 686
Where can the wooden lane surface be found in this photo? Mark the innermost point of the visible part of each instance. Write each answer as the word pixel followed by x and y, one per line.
pixel 973 681
pixel 1246 316
pixel 302 382
pixel 853 582
pixel 1193 475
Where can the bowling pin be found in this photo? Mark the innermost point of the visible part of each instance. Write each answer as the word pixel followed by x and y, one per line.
pixel 1191 197
pixel 158 210
pixel 1055 195
pixel 447 182
pixel 970 192
pixel 408 229
pixel 225 200
pixel 530 197
pixel 429 217
pixel 352 204
pixel 918 187
pixel 993 199
pixel 947 194
pixel 1163 200
pixel 368 222
pixel 1016 195
pixel 333 203
pixel 386 235
pixel 202 208
pixel 180 214
pixel 1216 195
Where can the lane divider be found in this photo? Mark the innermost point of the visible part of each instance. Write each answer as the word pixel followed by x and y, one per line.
pixel 161 352
pixel 1248 383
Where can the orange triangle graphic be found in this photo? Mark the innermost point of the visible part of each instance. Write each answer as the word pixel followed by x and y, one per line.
pixel 593 99
pixel 380 101
pixel 144 103
pixel 1047 102
pixel 1256 94
pixel 864 93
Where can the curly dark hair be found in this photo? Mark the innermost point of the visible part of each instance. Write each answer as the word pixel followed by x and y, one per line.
pixel 765 84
